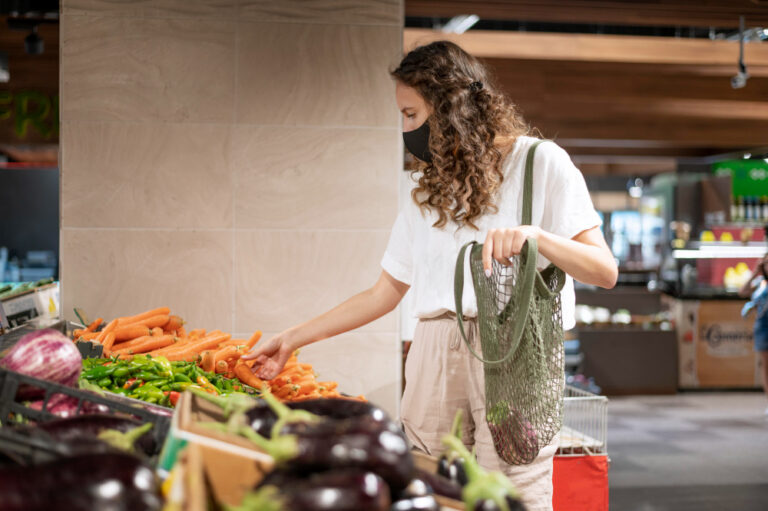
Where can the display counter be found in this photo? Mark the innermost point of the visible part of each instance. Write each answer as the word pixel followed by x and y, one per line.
pixel 715 344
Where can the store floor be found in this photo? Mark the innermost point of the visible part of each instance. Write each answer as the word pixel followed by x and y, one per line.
pixel 691 451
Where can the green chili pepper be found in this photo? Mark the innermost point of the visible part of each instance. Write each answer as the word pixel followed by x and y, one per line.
pixel 147 376
pixel 97 372
pixel 164 365
pixel 181 377
pixel 104 382
pixel 122 371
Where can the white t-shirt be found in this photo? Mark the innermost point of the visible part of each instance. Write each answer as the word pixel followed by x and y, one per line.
pixel 424 257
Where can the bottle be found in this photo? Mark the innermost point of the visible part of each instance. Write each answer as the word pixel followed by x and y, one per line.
pixel 740 216
pixel 764 202
pixel 734 209
pixel 748 209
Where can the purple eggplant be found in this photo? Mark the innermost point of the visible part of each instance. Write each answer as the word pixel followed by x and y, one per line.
pixel 108 481
pixel 338 490
pixel 262 418
pixel 453 469
pixel 382 451
pixel 513 435
pixel 451 465
pixel 440 485
pixel 486 490
pixel 417 496
pixel 81 429
pixel 489 505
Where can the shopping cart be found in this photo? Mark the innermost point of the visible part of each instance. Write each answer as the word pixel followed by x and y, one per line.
pixel 580 475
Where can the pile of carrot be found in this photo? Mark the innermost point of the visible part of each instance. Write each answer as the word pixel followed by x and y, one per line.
pixel 157 332
pixel 296 382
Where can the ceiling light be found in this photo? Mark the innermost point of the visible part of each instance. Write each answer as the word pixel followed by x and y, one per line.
pixel 460 24
pixel 33 43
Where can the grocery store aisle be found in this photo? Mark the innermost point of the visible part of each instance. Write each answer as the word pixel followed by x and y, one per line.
pixel 691 451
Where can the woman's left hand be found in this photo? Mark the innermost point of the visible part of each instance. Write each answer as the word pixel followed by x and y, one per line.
pixel 501 244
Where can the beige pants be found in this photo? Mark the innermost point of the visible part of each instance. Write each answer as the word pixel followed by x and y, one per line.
pixel 442 377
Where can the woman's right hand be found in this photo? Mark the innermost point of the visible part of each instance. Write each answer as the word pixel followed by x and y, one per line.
pixel 271 356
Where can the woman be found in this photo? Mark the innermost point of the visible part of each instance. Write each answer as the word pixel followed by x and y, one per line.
pixel 471 144
pixel 756 288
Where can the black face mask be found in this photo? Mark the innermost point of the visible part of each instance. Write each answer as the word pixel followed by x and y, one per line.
pixel 417 142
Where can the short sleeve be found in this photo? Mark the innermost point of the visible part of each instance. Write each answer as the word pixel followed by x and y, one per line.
pixel 569 209
pixel 398 257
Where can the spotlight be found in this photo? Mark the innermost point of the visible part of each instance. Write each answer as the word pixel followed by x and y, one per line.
pixel 33 43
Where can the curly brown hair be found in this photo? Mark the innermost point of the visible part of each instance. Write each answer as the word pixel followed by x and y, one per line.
pixel 471 127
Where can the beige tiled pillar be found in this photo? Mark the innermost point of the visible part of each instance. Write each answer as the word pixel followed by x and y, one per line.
pixel 237 161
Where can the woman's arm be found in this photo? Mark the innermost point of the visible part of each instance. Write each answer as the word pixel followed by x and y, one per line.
pixel 586 257
pixel 749 286
pixel 355 312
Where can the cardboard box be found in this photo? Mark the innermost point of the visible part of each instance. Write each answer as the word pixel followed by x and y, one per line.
pixel 715 345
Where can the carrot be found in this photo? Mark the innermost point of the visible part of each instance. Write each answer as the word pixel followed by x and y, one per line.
pixel 109 340
pixel 174 323
pixel 157 331
pixel 254 339
pixel 328 385
pixel 245 375
pixel 128 332
pixel 154 321
pixel 192 349
pixel 107 329
pixel 178 344
pixel 221 367
pixel 87 336
pixel 207 360
pixel 283 392
pixel 225 353
pixel 127 320
pixel 306 397
pixel 233 342
pixel 93 326
pixel 181 332
pixel 184 356
pixel 197 333
pixel 307 387
pixel 153 343
pixel 132 343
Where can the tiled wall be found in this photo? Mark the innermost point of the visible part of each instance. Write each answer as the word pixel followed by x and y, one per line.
pixel 235 160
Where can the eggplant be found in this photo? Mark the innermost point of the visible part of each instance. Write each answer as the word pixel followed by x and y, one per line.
pixel 364 445
pixel 83 429
pixel 108 481
pixel 489 505
pixel 417 496
pixel 452 468
pixel 513 435
pixel 338 490
pixel 423 503
pixel 440 485
pixel 451 464
pixel 262 418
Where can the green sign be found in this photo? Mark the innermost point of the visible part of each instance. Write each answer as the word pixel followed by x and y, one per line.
pixel 30 109
pixel 749 178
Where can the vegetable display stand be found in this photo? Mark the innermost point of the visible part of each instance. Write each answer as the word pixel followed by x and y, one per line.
pixel 186 427
pixel 80 402
pixel 580 474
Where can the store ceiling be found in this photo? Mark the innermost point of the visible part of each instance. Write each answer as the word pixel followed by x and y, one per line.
pixel 620 103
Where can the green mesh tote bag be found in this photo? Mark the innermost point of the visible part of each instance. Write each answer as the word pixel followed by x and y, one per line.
pixel 521 337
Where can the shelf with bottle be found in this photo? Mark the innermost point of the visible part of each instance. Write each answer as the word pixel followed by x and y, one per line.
pixel 749 209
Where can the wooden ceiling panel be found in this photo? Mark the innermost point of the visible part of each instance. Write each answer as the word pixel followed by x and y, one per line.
pixel 685 13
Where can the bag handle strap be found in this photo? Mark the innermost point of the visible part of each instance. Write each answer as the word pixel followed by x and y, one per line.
pixel 526 295
pixel 529 253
